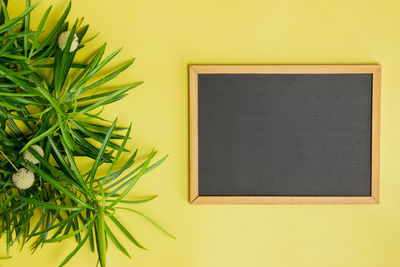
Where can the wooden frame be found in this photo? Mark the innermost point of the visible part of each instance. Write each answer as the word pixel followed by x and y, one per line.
pixel 194 70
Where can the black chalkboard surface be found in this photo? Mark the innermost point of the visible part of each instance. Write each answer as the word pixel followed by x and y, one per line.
pixel 290 137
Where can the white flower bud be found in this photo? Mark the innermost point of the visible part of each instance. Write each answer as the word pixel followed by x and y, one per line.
pixel 23 179
pixel 27 155
pixel 63 38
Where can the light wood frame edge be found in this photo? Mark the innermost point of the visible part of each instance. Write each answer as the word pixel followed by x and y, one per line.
pixel 375 134
pixel 282 200
pixel 193 133
pixel 194 70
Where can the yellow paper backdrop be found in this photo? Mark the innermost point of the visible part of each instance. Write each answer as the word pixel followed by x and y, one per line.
pixel 167 35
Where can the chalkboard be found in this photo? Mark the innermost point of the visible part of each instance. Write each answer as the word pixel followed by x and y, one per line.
pixel 284 134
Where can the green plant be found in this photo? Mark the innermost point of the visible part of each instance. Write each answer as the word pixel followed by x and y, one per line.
pixel 50 115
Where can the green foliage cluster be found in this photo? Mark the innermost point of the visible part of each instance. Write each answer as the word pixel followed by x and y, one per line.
pixel 49 100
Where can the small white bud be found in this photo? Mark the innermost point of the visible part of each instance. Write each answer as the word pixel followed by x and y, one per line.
pixel 63 38
pixel 23 179
pixel 27 155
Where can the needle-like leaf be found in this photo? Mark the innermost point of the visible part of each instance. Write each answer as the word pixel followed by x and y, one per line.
pixel 37 34
pixel 5 27
pixel 40 137
pixel 58 185
pixel 125 231
pixel 138 201
pixel 48 205
pixel 71 234
pixel 148 219
pixel 77 248
pixel 55 30
pixel 101 153
pixel 116 242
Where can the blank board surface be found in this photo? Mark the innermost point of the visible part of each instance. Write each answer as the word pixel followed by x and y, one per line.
pixel 284 134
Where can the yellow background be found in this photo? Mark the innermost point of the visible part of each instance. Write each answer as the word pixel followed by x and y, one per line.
pixel 167 35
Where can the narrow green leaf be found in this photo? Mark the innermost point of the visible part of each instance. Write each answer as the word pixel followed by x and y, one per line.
pixel 126 165
pixel 27 21
pixel 63 61
pixel 56 171
pixel 125 232
pixel 108 78
pixel 77 247
pixel 14 56
pixel 71 234
pixel 11 106
pixel 99 137
pixel 5 26
pixel 55 30
pixel 79 82
pixel 93 69
pixel 100 154
pixel 45 93
pixel 101 128
pixel 119 151
pixel 101 237
pixel 91 240
pixel 4 10
pixel 116 242
pixel 138 201
pixel 62 222
pixel 60 158
pixel 75 169
pixel 73 65
pixel 65 134
pixel 17 35
pixel 48 205
pixel 39 30
pixel 39 137
pixel 6 46
pixel 148 219
pixel 15 94
pixel 133 181
pixel 57 185
pixel 111 96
